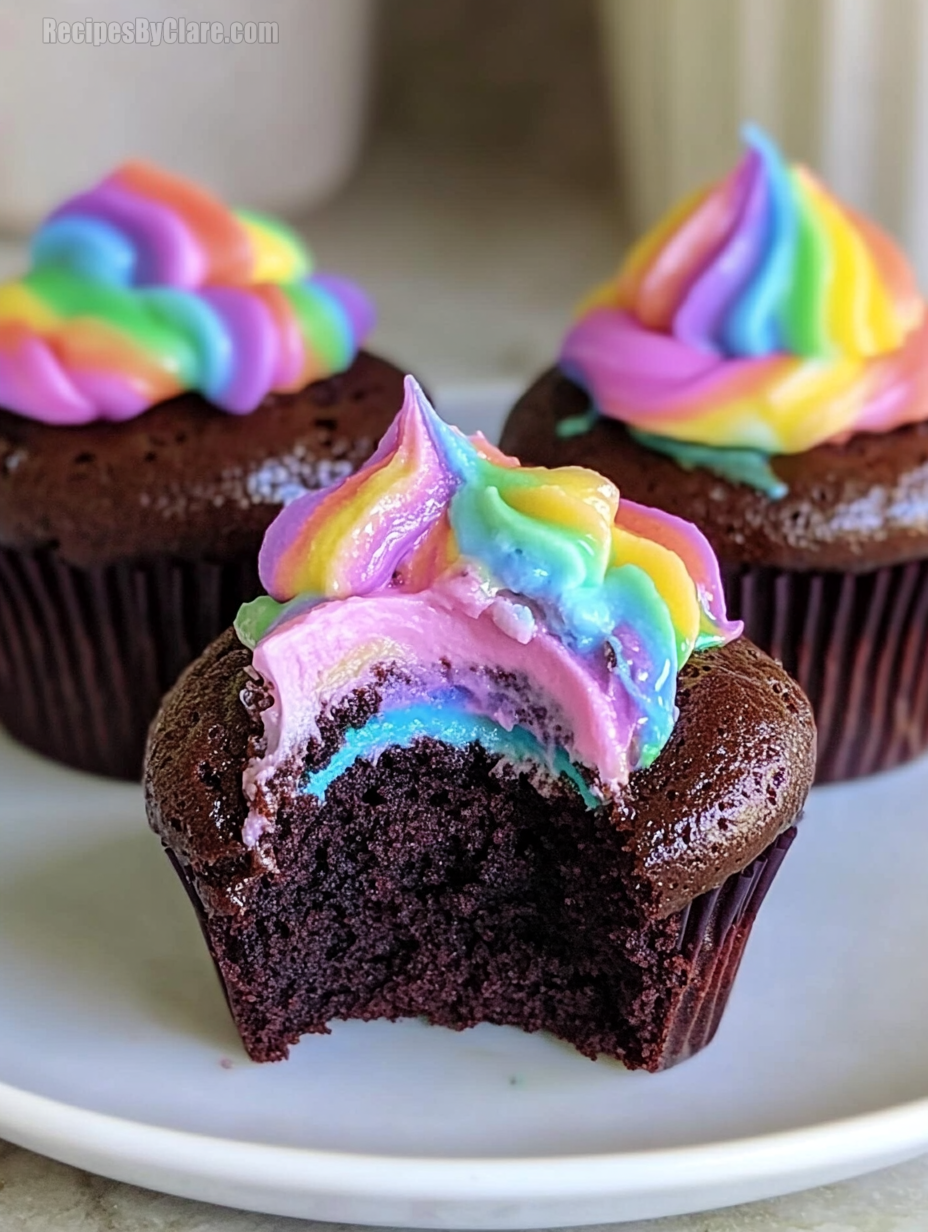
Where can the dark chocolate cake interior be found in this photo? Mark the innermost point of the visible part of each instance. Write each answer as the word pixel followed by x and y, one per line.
pixel 441 882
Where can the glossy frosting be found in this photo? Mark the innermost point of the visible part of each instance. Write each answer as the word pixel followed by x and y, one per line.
pixel 146 286
pixel 760 314
pixel 445 575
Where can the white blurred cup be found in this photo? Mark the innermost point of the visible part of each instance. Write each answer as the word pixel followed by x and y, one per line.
pixel 841 84
pixel 275 125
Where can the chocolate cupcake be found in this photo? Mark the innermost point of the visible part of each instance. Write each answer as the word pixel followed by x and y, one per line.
pixel 488 751
pixel 760 364
pixel 171 374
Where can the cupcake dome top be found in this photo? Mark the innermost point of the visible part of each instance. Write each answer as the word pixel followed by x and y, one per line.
pixel 761 313
pixel 466 572
pixel 146 286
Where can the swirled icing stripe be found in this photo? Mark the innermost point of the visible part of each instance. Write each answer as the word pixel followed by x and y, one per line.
pixel 146 286
pixel 760 314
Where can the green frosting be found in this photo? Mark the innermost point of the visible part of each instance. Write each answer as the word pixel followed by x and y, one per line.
pixel 748 466
pixel 254 619
pixel 576 425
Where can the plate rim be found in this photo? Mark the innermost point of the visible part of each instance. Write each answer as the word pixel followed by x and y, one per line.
pixel 865 1139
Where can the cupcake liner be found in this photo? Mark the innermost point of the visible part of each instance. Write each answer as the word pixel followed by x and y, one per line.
pixel 857 643
pixel 87 654
pixel 714 930
pixel 713 933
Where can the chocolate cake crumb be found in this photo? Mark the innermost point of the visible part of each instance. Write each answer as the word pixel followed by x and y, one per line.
pixel 438 882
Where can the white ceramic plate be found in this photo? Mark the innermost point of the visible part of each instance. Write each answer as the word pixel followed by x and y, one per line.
pixel 117 1053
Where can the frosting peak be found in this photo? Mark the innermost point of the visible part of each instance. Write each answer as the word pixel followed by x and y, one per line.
pixel 433 505
pixel 445 551
pixel 761 313
pixel 144 227
pixel 767 262
pixel 146 286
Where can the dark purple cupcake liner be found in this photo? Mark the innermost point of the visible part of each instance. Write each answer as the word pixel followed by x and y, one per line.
pixel 857 643
pixel 87 654
pixel 714 930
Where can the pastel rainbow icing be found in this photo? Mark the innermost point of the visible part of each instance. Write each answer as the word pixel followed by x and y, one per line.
pixel 528 609
pixel 146 286
pixel 760 313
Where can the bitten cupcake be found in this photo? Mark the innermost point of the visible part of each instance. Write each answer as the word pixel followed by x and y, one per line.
pixel 488 751
pixel 171 374
pixel 760 364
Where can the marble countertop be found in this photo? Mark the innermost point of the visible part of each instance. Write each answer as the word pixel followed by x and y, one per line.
pixel 474 276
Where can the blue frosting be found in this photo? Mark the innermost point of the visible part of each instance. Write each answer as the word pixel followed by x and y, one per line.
pixel 448 721
pixel 753 325
pixel 87 246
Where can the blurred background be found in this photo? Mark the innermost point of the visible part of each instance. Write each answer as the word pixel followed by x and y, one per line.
pixel 477 164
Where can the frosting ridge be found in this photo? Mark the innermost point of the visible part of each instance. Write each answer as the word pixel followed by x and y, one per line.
pixel 760 314
pixel 146 286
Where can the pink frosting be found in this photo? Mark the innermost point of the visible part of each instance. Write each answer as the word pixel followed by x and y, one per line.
pixel 328 652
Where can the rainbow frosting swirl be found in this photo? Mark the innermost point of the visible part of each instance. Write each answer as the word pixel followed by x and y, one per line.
pixel 760 314
pixel 146 286
pixel 526 608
